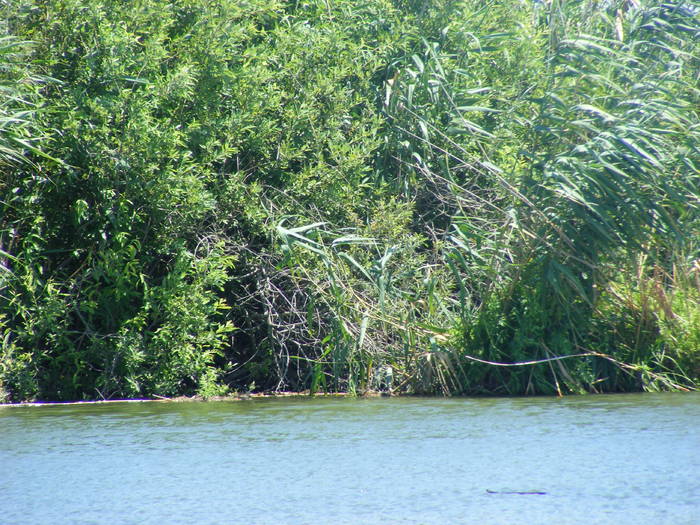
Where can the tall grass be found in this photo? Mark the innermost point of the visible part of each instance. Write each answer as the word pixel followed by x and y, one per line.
pixel 542 149
pixel 19 134
pixel 605 172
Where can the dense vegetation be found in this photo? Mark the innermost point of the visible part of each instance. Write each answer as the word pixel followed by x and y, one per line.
pixel 458 197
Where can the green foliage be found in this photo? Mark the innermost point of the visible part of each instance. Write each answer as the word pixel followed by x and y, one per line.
pixel 322 195
pixel 113 286
pixel 560 166
pixel 608 178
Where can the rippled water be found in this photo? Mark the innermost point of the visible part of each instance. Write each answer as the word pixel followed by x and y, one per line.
pixel 600 459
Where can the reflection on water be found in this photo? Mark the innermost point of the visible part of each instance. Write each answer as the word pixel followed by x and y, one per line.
pixel 600 459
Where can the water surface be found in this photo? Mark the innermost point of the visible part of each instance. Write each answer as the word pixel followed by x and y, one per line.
pixel 600 459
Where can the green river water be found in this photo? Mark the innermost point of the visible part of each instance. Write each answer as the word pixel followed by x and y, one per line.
pixel 598 459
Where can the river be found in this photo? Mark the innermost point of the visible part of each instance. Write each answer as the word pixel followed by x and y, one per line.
pixel 612 459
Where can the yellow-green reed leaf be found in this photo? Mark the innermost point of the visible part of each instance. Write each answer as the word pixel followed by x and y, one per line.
pixel 363 331
pixel 478 109
pixel 357 265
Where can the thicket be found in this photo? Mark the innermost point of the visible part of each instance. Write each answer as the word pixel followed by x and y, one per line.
pixel 456 197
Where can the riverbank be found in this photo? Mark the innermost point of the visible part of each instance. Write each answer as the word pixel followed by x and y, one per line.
pixel 193 399
pixel 298 395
